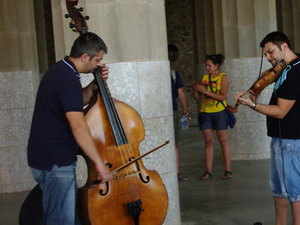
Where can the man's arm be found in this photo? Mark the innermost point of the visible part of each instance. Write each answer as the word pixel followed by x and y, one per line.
pixel 278 111
pixel 88 92
pixel 84 139
pixel 183 103
pixel 182 99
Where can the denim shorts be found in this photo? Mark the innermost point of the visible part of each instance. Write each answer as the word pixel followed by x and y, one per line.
pixel 59 194
pixel 285 168
pixel 215 121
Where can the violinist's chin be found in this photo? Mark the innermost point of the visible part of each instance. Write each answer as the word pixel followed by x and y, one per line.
pixel 274 62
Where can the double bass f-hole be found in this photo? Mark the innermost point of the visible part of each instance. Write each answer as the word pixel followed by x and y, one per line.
pixel 130 173
pixel 101 191
pixel 139 172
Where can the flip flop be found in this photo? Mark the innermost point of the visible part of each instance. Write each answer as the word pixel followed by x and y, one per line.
pixel 204 177
pixel 182 177
pixel 227 175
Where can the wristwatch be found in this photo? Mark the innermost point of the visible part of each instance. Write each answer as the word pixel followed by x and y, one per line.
pixel 253 105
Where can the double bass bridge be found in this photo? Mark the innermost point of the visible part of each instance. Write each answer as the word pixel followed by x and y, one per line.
pixel 128 174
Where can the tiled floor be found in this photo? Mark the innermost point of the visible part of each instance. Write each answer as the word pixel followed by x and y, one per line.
pixel 243 200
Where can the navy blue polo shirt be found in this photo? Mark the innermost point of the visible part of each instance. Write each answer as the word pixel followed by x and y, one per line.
pixel 51 140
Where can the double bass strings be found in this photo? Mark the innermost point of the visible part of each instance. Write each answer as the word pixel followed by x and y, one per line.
pixel 120 138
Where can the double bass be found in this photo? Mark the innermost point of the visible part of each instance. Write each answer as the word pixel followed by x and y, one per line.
pixel 135 195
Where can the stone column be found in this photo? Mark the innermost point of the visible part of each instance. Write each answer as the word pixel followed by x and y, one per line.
pixel 235 29
pixel 135 33
pixel 288 15
pixel 18 81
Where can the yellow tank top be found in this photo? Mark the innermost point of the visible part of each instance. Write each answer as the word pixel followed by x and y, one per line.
pixel 210 105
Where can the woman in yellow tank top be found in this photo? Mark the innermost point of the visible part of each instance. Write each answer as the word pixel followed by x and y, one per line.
pixel 213 89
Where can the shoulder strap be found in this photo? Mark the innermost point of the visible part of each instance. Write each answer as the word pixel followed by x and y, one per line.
pixel 223 104
pixel 210 83
pixel 213 91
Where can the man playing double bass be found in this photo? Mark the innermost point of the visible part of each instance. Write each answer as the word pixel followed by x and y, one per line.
pixel 59 128
pixel 283 125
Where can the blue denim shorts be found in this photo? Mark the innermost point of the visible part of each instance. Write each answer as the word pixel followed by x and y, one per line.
pixel 285 168
pixel 216 121
pixel 59 194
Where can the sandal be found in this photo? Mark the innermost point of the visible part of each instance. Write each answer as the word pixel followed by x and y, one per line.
pixel 206 175
pixel 182 177
pixel 227 175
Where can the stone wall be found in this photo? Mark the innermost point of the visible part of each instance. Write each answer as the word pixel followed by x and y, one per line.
pixel 180 31
pixel 18 83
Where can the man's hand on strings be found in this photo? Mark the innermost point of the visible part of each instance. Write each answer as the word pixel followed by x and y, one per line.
pixel 104 71
pixel 239 99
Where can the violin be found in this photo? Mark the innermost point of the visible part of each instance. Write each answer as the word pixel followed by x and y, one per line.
pixel 135 195
pixel 266 78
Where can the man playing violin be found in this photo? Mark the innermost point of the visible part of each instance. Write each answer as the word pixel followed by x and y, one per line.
pixel 283 126
pixel 59 128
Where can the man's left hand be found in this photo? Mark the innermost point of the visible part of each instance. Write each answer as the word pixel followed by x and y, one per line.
pixel 104 71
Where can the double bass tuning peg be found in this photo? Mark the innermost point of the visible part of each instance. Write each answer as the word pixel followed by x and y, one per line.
pixel 69 16
pixel 81 10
